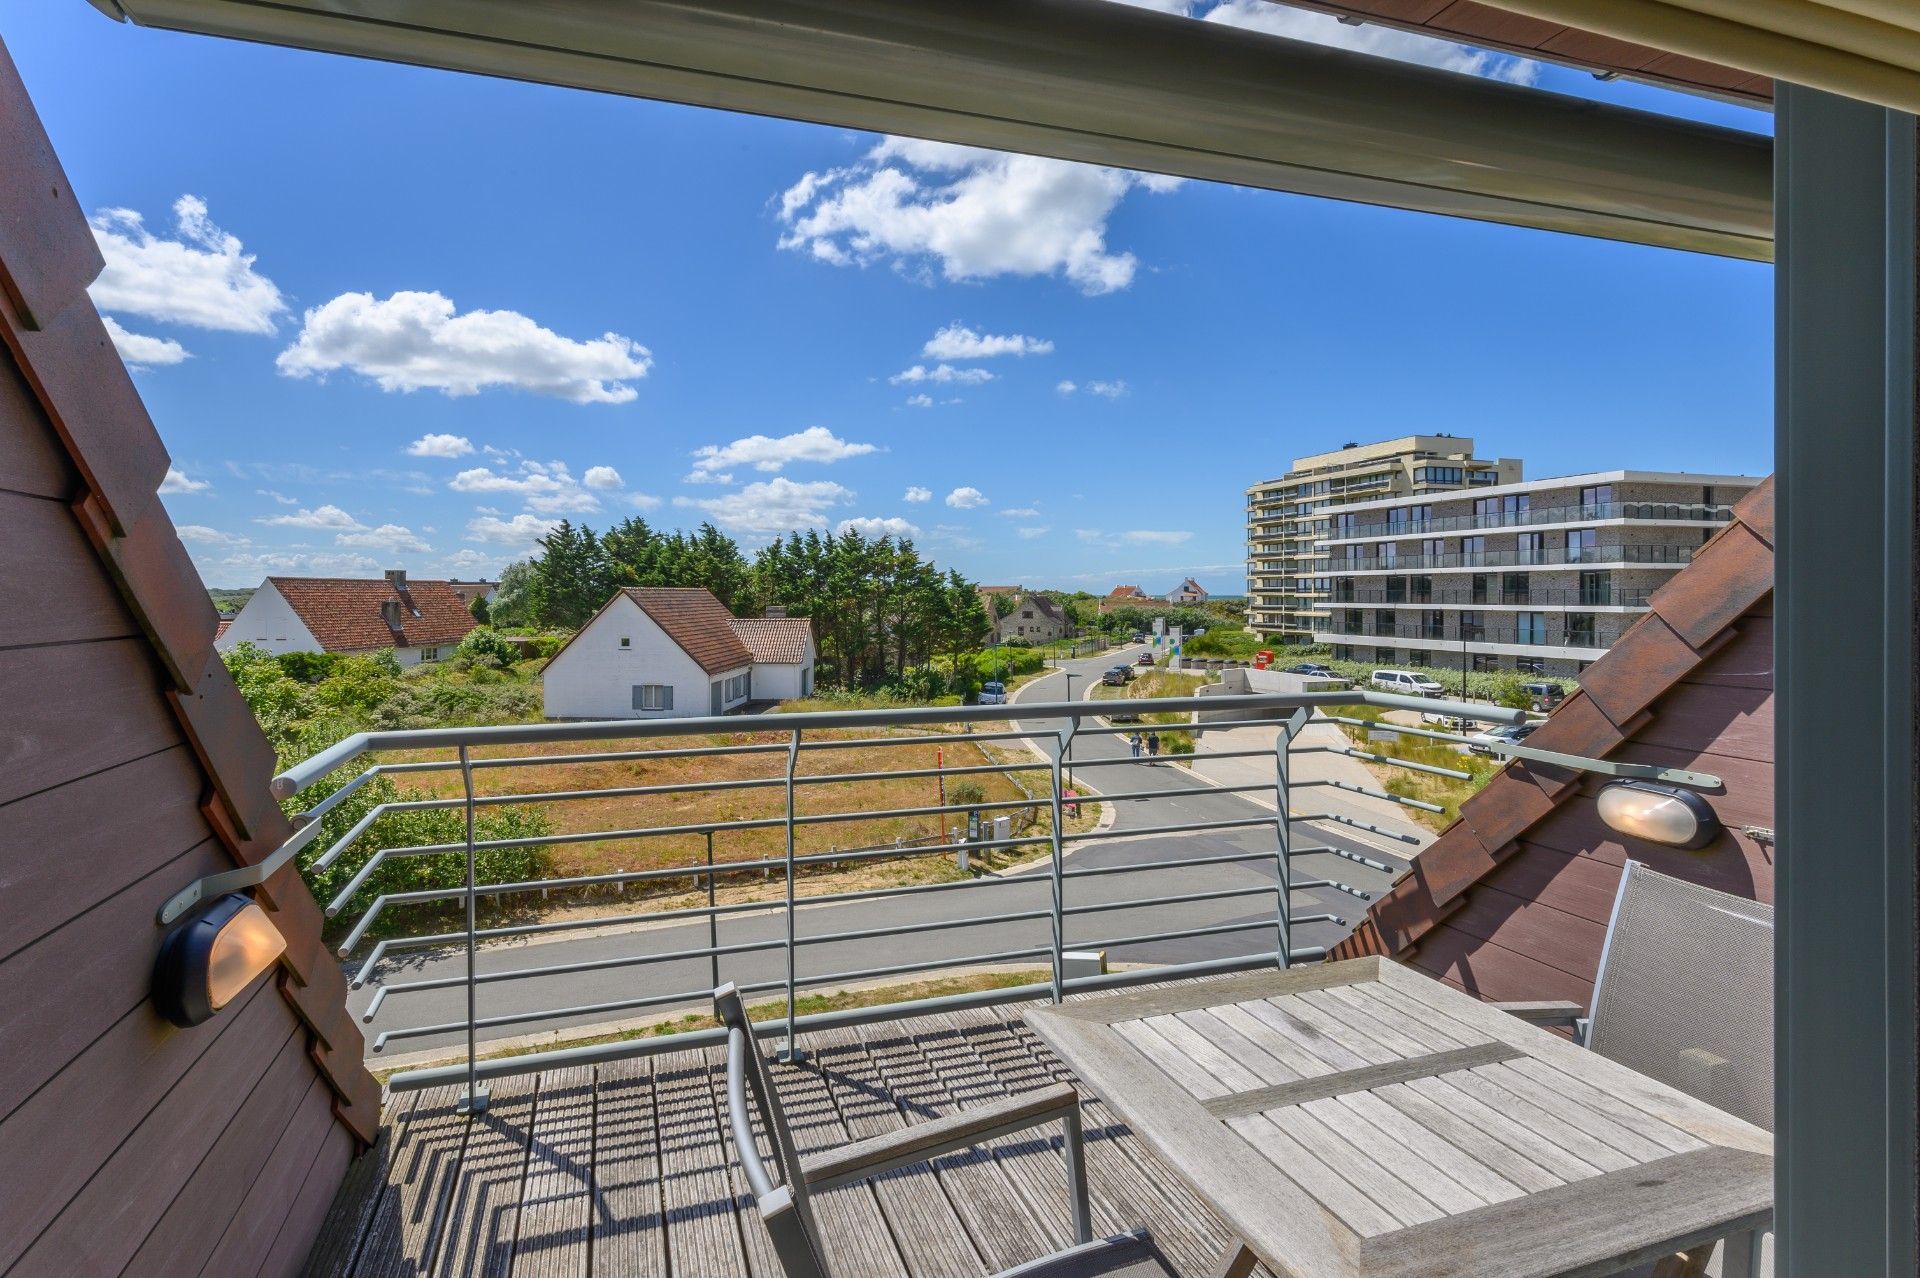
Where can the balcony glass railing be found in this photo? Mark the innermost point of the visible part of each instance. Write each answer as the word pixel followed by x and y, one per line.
pixel 1554 634
pixel 1469 597
pixel 1574 514
pixel 1555 556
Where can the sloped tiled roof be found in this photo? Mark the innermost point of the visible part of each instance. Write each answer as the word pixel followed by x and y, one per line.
pixel 344 612
pixel 1189 587
pixel 1126 592
pixel 697 621
pixel 780 641
pixel 1510 901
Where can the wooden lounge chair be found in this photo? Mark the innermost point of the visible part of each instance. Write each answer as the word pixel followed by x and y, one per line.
pixel 786 1209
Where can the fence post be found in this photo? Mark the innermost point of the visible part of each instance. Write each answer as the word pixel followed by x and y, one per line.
pixel 791 1052
pixel 1063 741
pixel 1283 834
pixel 713 919
pixel 475 1099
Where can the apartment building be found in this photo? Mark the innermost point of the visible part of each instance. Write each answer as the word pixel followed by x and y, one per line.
pixel 1287 582
pixel 1541 577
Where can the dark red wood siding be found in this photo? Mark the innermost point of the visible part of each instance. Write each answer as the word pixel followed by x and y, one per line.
pixel 128 768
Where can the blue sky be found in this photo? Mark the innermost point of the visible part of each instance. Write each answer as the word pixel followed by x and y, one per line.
pixel 386 316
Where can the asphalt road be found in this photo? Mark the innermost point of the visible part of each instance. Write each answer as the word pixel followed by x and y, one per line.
pixel 932 926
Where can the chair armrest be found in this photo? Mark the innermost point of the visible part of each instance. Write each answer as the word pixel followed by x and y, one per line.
pixel 938 1136
pixel 1545 1012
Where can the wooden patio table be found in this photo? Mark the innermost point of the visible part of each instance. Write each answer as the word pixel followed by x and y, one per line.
pixel 1358 1118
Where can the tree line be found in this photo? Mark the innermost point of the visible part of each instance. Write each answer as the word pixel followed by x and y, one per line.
pixel 880 611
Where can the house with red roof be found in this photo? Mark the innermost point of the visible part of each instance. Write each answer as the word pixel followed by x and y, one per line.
pixel 659 652
pixel 419 620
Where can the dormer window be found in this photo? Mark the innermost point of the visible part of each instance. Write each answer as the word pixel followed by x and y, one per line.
pixel 626 641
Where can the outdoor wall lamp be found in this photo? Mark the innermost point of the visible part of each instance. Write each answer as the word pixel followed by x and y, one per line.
pixel 1664 814
pixel 207 960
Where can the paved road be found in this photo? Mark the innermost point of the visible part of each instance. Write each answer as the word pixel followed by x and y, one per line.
pixel 1099 762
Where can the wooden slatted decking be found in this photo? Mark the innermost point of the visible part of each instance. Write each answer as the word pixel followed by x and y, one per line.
pixel 625 1169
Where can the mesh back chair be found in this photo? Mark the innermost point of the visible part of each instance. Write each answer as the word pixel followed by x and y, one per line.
pixel 1685 992
pixel 786 1206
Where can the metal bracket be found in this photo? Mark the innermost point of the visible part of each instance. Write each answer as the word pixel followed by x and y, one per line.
pixel 244 876
pixel 1610 767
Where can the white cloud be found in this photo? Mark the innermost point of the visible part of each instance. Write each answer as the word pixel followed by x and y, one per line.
pixel 643 501
pixel 1383 42
pixel 771 455
pixel 413 341
pixel 1028 534
pixel 249 567
pixel 917 493
pixel 1149 536
pixel 522 530
pixel 1066 388
pixel 1107 390
pixel 547 488
pixel 1020 512
pixel 282 498
pixel 327 518
pixel 177 481
pixel 139 350
pixel 201 535
pixel 943 373
pixel 966 498
pixel 871 527
pixel 388 537
pixel 773 505
pixel 956 341
pixel 440 446
pixel 475 561
pixel 601 477
pixel 977 214
pixel 200 278
pixel 920 401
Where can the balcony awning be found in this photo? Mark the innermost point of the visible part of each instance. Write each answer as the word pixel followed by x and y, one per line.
pixel 1865 49
pixel 1093 81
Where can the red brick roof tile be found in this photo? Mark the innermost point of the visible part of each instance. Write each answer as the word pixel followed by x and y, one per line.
pixel 776 640
pixel 344 612
pixel 697 621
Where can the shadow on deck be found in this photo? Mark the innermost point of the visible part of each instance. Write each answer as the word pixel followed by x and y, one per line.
pixel 625 1169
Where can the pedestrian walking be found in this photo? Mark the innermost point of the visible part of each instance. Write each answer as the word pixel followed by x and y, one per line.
pixel 1133 739
pixel 1153 744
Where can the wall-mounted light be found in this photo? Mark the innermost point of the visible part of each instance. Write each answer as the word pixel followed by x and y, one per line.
pixel 207 960
pixel 1664 814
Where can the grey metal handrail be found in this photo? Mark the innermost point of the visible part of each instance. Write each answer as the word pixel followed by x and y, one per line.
pixel 1052 727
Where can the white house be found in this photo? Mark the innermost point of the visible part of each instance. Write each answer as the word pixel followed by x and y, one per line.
pixel 419 620
pixel 655 652
pixel 1187 592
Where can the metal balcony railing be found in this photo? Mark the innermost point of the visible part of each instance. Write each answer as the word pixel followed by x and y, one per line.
pixel 781 743
pixel 1553 556
pixel 1551 636
pixel 1532 517
pixel 1492 595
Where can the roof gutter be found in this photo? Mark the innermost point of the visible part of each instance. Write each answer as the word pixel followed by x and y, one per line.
pixel 1093 81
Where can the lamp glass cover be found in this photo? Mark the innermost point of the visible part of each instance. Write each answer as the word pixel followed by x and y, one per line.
pixel 247 946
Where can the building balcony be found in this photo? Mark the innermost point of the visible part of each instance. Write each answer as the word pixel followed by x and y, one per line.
pixel 1591 513
pixel 1605 596
pixel 1587 643
pixel 1552 557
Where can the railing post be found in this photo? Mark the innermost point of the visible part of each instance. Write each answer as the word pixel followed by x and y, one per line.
pixel 475 1099
pixel 1063 742
pixel 713 919
pixel 791 1052
pixel 1283 834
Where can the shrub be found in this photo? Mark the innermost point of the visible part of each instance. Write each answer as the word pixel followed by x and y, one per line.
pixel 485 644
pixel 964 794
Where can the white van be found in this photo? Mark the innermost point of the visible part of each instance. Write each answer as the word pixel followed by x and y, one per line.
pixel 1405 682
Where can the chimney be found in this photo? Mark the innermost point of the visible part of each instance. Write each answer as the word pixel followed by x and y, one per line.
pixel 775 610
pixel 397 578
pixel 390 612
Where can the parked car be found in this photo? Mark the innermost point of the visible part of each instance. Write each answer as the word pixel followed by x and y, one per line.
pixel 1544 696
pixel 993 693
pixel 1482 742
pixel 1405 682
pixel 1312 669
pixel 1146 659
pixel 1139 637
pixel 1117 676
pixel 1449 722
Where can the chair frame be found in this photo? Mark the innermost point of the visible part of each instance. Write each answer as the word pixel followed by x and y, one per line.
pixel 786 1206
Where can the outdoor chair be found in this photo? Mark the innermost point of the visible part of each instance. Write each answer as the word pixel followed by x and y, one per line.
pixel 1684 995
pixel 786 1207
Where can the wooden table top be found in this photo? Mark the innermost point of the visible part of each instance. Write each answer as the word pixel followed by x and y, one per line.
pixel 1359 1118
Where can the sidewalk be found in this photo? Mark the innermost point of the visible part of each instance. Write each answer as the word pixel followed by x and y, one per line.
pixel 1311 767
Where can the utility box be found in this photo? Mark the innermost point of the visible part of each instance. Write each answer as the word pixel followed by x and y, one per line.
pixel 1079 963
pixel 1002 829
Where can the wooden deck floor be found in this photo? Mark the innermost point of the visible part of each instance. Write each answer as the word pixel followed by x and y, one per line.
pixel 625 1169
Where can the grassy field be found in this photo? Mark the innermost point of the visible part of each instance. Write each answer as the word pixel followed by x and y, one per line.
pixel 1448 792
pixel 1158 683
